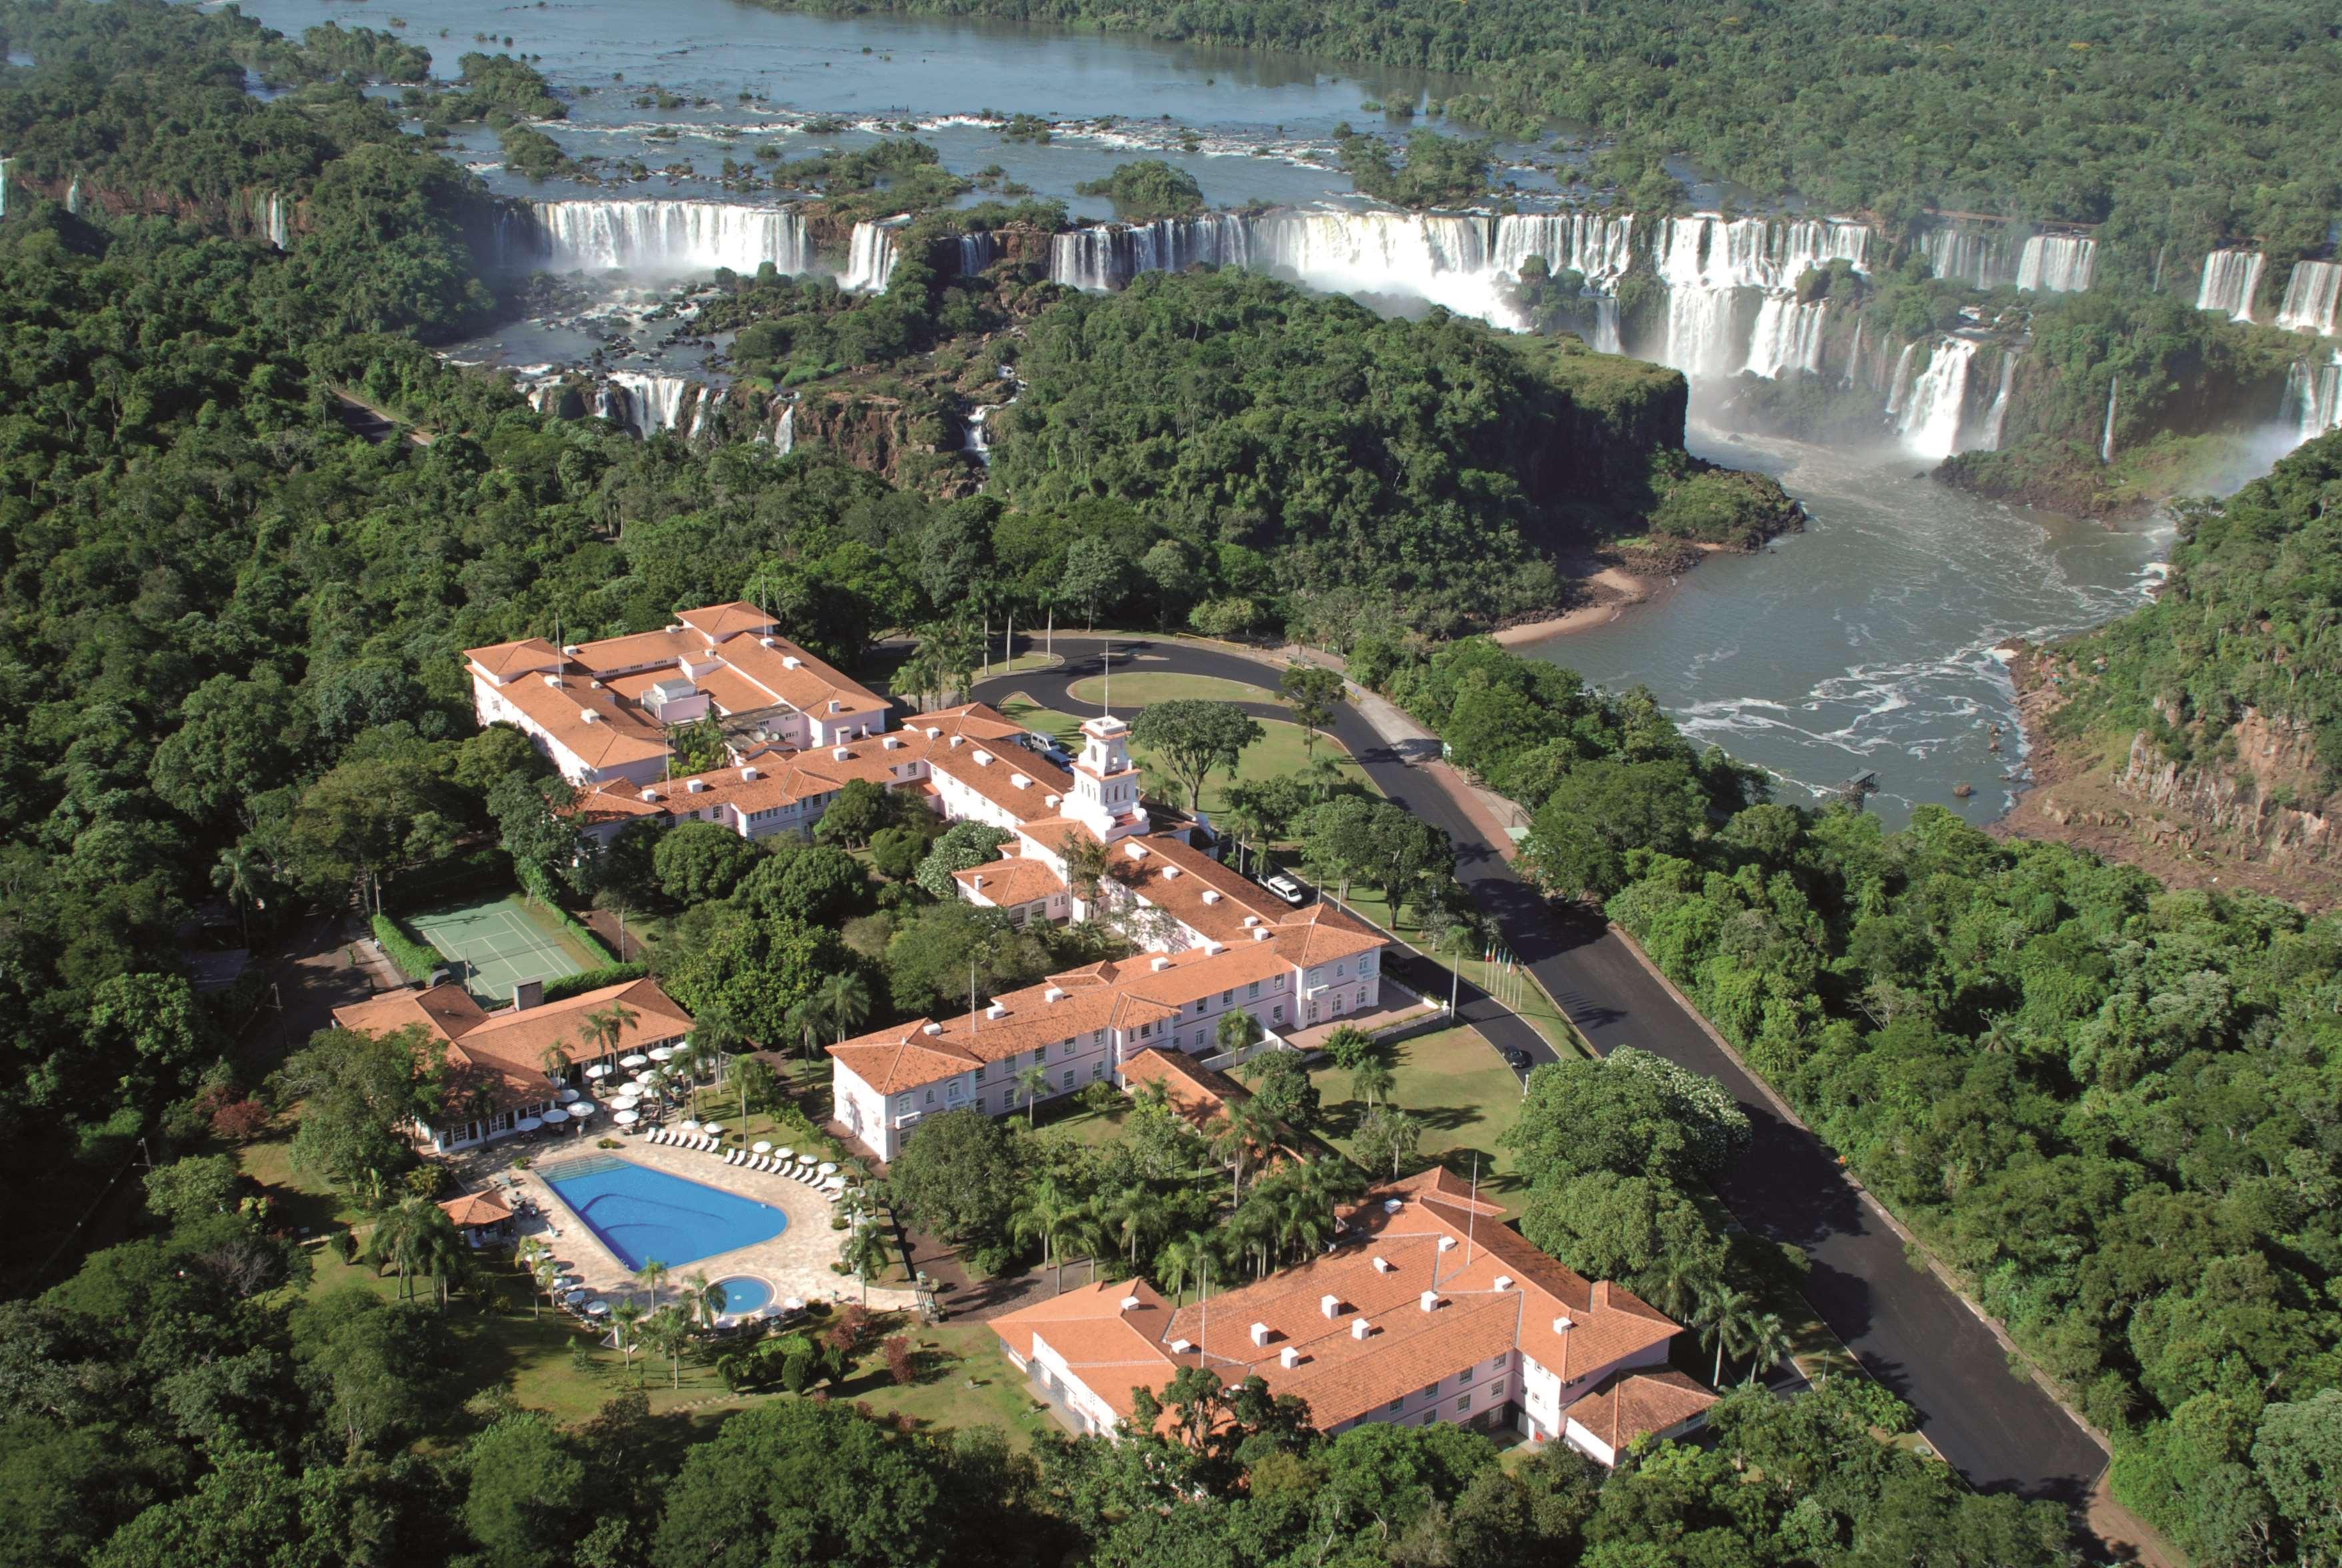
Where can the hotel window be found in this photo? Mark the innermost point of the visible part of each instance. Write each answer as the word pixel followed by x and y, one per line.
pixel 979 1074
pixel 1340 970
pixel 1464 1377
pixel 1497 1389
pixel 931 1096
pixel 1040 1053
pixel 1397 1402
pixel 1227 998
pixel 1097 1037
pixel 1097 1070
pixel 1462 1405
pixel 1069 1077
pixel 1277 1014
pixel 1366 964
pixel 903 1105
pixel 1254 989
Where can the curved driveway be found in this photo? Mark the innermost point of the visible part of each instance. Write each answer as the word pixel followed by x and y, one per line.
pixel 1911 1332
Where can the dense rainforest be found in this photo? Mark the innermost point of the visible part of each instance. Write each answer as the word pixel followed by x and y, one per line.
pixel 2169 123
pixel 2114 1110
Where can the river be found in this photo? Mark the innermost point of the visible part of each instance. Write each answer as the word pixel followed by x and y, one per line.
pixel 1865 644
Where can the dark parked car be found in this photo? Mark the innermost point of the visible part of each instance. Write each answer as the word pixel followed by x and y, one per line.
pixel 1518 1057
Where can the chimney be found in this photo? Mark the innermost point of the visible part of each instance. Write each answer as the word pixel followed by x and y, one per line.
pixel 1159 963
pixel 1428 1301
pixel 1251 919
pixel 588 716
pixel 892 744
pixel 1054 993
pixel 978 882
pixel 695 787
pixel 750 774
pixel 1330 1304
pixel 1130 1303
pixel 841 754
pixel 1263 933
pixel 1288 1358
pixel 1211 896
pixel 1503 1281
pixel 553 681
pixel 1051 800
pixel 1562 1323
pixel 1135 849
pixel 1169 872
pixel 1383 1265
pixel 1215 948
pixel 1447 1244
pixel 1360 1328
pixel 768 642
pixel 528 993
pixel 1018 781
pixel 1182 1346
pixel 650 794
pixel 932 1029
pixel 998 1010
pixel 955 742
pixel 1260 1333
pixel 791 661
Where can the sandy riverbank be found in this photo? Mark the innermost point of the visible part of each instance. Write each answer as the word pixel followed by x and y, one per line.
pixel 1614 592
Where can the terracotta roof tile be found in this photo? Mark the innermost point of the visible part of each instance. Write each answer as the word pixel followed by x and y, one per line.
pixel 505 659
pixel 1633 1403
pixel 717 622
pixel 1004 884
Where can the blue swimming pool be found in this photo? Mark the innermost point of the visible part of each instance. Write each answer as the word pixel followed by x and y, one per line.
pixel 640 1213
pixel 744 1294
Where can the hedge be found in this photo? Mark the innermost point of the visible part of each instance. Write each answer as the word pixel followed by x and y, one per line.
pixel 586 980
pixel 415 958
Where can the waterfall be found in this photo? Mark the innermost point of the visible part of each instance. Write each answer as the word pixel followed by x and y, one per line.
pixel 2231 279
pixel 3 185
pixel 542 384
pixel 1854 358
pixel 1976 257
pixel 2312 398
pixel 74 197
pixel 1899 387
pixel 2313 296
pixel 275 219
pixel 2057 263
pixel 976 251
pixel 1929 421
pixel 662 238
pixel 2106 436
pixel 870 259
pixel 1703 336
pixel 645 404
pixel 1606 325
pixel 1598 246
pixel 1787 337
pixel 782 436
pixel 976 441
pixel 1996 418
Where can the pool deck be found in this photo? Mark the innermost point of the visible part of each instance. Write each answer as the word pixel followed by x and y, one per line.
pixel 797 1263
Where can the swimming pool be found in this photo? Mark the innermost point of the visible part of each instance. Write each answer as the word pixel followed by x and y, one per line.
pixel 744 1294
pixel 640 1213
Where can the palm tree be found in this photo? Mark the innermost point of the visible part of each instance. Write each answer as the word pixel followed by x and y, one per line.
pixel 804 1020
pixel 1253 1227
pixel 1244 1128
pixel 604 1029
pixel 1726 1320
pixel 654 1275
pixel 1371 1079
pixel 1132 1213
pixel 1053 1216
pixel 668 1332
pixel 703 1298
pixel 626 1328
pixel 1244 827
pixel 1767 1345
pixel 554 1059
pixel 845 1000
pixel 1034 1080
pixel 243 873
pixel 1183 1261
pixel 1324 776
pixel 1677 1289
pixel 402 1239
pixel 531 1256
pixel 865 1254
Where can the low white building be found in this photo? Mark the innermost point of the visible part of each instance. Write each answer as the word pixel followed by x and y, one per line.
pixel 1428 1308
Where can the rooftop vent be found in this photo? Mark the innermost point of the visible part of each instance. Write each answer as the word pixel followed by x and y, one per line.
pixel 1215 948
pixel 1135 849
pixel 588 716
pixel 1251 919
pixel 573 649
pixel 983 757
pixel 1051 800
pixel 1169 872
pixel 696 786
pixel 1182 1346
pixel 1263 933
pixel 892 744
pixel 1159 963
pixel 1018 781
pixel 750 774
pixel 1562 1323
pixel 932 1029
pixel 1383 1265
pixel 650 794
pixel 1131 1303
pixel 675 625
pixel 1054 993
pixel 935 730
pixel 593 685
pixel 1288 1358
pixel 1260 1333
pixel 768 642
pixel 791 661
pixel 955 741
pixel 1330 1304
pixel 1360 1328
pixel 841 754
pixel 1211 896
pixel 553 681
pixel 1393 1205
pixel 1503 1281
pixel 1447 1244
pixel 998 1010
pixel 1428 1301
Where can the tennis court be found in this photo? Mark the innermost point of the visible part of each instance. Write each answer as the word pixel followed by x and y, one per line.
pixel 494 946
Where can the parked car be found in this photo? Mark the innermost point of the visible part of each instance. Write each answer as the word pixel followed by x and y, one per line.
pixel 1285 888
pixel 1518 1057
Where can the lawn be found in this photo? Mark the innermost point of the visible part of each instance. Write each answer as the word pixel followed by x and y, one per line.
pixel 1517 991
pixel 1281 750
pixel 1463 1094
pixel 1020 709
pixel 1137 688
pixel 308 1204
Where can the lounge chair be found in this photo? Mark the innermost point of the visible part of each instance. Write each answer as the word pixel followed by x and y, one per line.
pixel 656 1136
pixel 768 1164
pixel 711 1145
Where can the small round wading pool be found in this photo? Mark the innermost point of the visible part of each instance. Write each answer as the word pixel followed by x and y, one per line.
pixel 744 1294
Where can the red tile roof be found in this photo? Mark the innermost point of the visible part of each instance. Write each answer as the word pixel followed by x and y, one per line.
pixel 1628 1405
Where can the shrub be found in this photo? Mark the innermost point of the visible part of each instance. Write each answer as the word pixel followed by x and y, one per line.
pixel 586 980
pixel 415 958
pixel 240 1121
pixel 852 1332
pixel 901 1364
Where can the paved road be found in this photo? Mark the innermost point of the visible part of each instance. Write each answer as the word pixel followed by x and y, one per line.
pixel 1913 1334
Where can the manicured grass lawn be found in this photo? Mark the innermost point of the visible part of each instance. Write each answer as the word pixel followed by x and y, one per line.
pixel 963 1381
pixel 1282 749
pixel 1456 1087
pixel 1137 686
pixel 306 1203
pixel 1517 991
pixel 1021 709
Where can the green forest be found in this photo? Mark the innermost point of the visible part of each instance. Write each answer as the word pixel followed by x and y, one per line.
pixel 2110 1108
pixel 2168 122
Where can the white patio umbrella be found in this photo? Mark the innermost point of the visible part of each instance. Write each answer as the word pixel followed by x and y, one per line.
pixel 785 1154
pixel 624 1103
pixel 570 1096
pixel 628 1118
pixel 582 1109
pixel 711 1128
pixel 827 1168
pixel 572 1297
pixel 555 1117
pixel 599 1070
pixel 636 1060
pixel 598 1309
pixel 761 1147
pixel 661 1054
pixel 690 1126
pixel 527 1124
